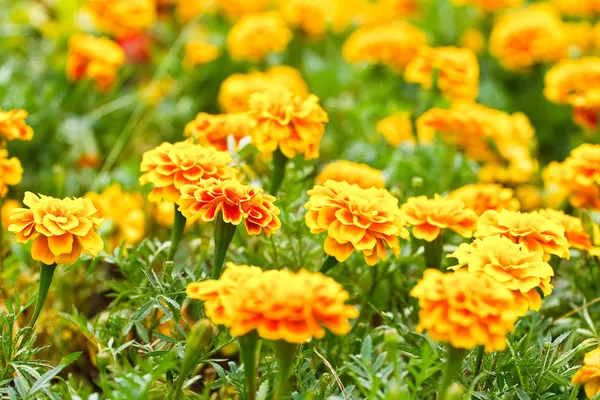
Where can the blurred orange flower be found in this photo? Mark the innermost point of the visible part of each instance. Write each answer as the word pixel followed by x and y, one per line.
pixel 199 52
pixel 7 208
pixel 489 6
pixel 13 125
pixel 486 196
pixel 254 36
pixel 11 172
pixel 94 58
pixel 214 130
pixel 122 17
pixel 396 128
pixel 575 232
pixel 352 173
pixel 473 39
pixel 310 16
pixel 589 374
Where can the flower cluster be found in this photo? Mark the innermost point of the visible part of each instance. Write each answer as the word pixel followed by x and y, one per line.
pixel 486 196
pixel 355 219
pixel 254 36
pixel 11 172
pixel 215 130
pixel 465 310
pixel 352 173
pixel 60 229
pixel 589 374
pixel 279 305
pixel 122 18
pixel 396 128
pixel 13 125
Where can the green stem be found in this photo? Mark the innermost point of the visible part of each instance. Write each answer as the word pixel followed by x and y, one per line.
pixel 453 366
pixel 478 361
pixel 197 342
pixel 434 251
pixel 329 263
pixel 286 352
pixel 46 274
pixel 249 354
pixel 178 228
pixel 223 236
pixel 279 162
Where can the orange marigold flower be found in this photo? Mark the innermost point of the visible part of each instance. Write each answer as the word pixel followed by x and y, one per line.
pixel 352 173
pixel 486 196
pixel 535 231
pixel 60 229
pixel 489 6
pixel 122 17
pixel 577 8
pixel 473 39
pixel 254 36
pixel 355 218
pixel 215 130
pixel 235 8
pixel 457 69
pixel 511 264
pixel 286 121
pixel 396 128
pixel 94 58
pixel 199 52
pixel 169 167
pixel 580 36
pixel 394 44
pixel 529 196
pixel 429 216
pixel 238 202
pixel 589 374
pixel 7 209
pixel 11 172
pixel 311 16
pixel 528 36
pixel 575 232
pixel 188 10
pixel 465 310
pixel 13 125
pixel 236 90
pixel 163 213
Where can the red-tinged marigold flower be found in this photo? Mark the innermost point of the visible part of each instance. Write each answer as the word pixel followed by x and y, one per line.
pixel 94 58
pixel 136 48
pixel 355 219
pixel 589 374
pixel 510 264
pixel 169 167
pixel 215 130
pixel 13 125
pixel 286 121
pixel 575 232
pixel 457 71
pixel 11 172
pixel 206 199
pixel 60 229
pixel 535 231
pixel 486 196
pixel 122 17
pixel 353 173
pixel 465 310
pixel 254 36
pixel 429 217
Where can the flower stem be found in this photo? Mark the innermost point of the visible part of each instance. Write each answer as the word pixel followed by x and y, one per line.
pixel 223 236
pixel 286 353
pixel 453 365
pixel 279 162
pixel 434 251
pixel 249 354
pixel 178 228
pixel 478 361
pixel 46 275
pixel 2 290
pixel 329 263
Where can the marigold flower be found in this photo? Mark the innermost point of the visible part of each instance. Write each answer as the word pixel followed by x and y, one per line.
pixel 352 173
pixel 163 213
pixel 236 90
pixel 94 58
pixel 311 16
pixel 489 6
pixel 511 264
pixel 394 44
pixel 60 229
pixel 577 8
pixel 214 130
pixel 235 9
pixel 589 374
pixel 188 10
pixel 580 36
pixel 535 231
pixel 286 121
pixel 254 36
pixel 486 196
pixel 576 235
pixel 238 202
pixel 473 39
pixel 355 218
pixel 7 208
pixel 528 36
pixel 199 52
pixel 169 167
pixel 429 216
pixel 529 196
pixel 122 17
pixel 396 128
pixel 458 71
pixel 11 172
pixel 465 310
pixel 13 125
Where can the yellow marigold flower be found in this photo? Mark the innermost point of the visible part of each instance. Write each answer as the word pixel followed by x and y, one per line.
pixel 396 128
pixel 536 232
pixel 94 58
pixel 169 167
pixel 529 196
pixel 580 36
pixel 13 125
pixel 235 8
pixel 381 12
pixel 560 180
pixel 254 36
pixel 489 6
pixel 11 172
pixel 286 121
pixel 486 196
pixel 236 90
pixel 7 208
pixel 528 36
pixel 465 310
pixel 577 8
pixel 355 218
pixel 214 130
pixel 206 199
pixel 584 161
pixel 589 374
pixel 352 173
pixel 154 92
pixel 188 10
pixel 60 229
pixel 429 216
pixel 511 264
pixel 199 52
pixel 394 44
pixel 473 39
pixel 122 17
pixel 164 213
pixel 311 16
pixel 575 232
pixel 457 69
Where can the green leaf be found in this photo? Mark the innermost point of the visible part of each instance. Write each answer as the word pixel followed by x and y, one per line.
pixel 47 377
pixel 366 351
